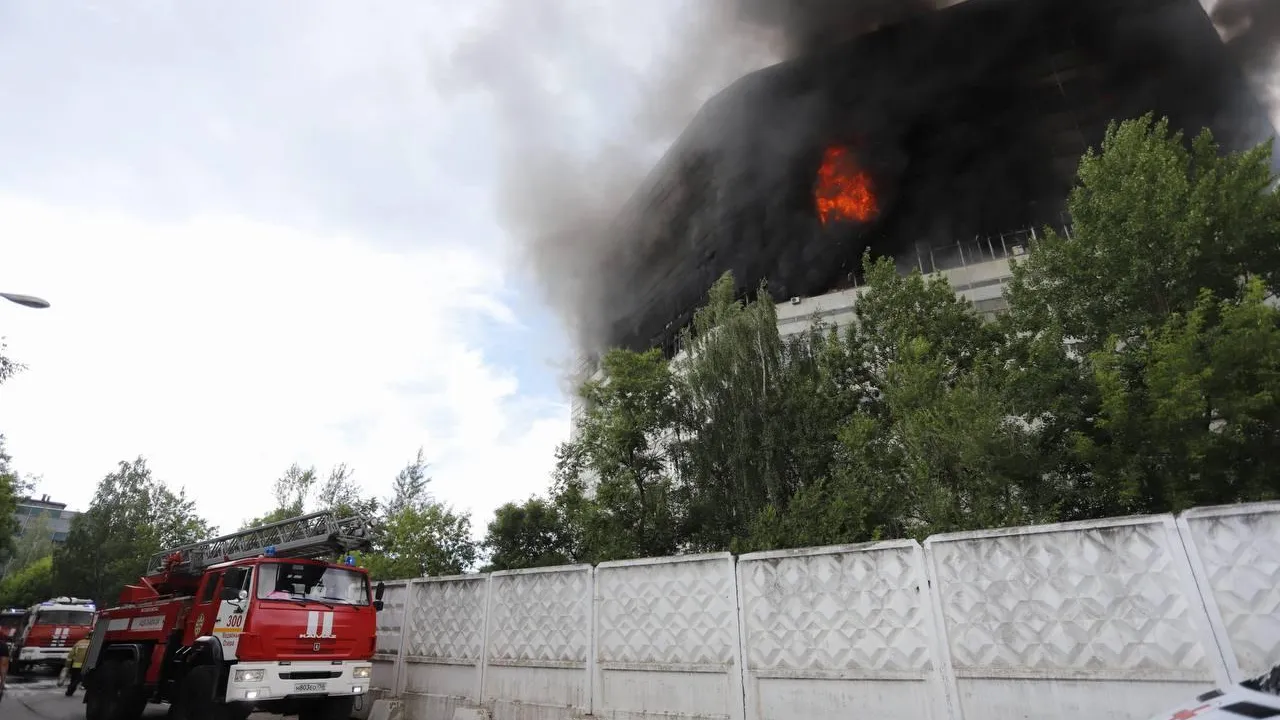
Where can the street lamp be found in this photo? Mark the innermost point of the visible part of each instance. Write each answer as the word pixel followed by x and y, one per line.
pixel 30 301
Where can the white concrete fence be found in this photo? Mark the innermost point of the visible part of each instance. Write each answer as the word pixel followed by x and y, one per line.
pixel 1107 619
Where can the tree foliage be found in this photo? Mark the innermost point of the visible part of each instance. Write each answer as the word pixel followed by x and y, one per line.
pixel 418 536
pixel 1136 371
pixel 131 517
pixel 299 491
pixel 534 533
pixel 28 585
pixel 11 490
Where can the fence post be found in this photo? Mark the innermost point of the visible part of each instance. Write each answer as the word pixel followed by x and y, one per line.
pixel 405 619
pixel 484 640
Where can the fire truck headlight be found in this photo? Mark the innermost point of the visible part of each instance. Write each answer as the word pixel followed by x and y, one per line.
pixel 362 672
pixel 250 676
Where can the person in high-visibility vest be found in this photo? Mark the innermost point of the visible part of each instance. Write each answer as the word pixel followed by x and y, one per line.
pixel 75 661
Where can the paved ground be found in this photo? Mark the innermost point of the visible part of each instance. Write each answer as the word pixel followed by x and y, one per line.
pixel 37 697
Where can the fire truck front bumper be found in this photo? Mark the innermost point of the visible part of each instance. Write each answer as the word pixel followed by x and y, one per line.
pixel 40 655
pixel 259 681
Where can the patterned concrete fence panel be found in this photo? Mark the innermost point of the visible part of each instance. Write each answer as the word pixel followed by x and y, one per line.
pixel 1099 619
pixel 666 641
pixel 538 644
pixel 386 659
pixel 839 630
pixel 1235 552
pixel 444 645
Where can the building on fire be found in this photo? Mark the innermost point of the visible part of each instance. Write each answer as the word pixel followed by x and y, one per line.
pixel 927 140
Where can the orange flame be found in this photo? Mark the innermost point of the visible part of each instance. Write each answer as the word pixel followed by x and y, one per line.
pixel 844 190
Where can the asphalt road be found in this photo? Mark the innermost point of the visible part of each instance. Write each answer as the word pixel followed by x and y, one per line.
pixel 37 697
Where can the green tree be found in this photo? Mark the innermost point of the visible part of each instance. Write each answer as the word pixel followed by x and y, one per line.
pixel 342 495
pixel 932 444
pixel 620 458
pixel 1154 222
pixel 132 516
pixel 28 585
pixel 417 536
pixel 410 486
pixel 1193 413
pixel 12 489
pixel 1158 227
pixel 729 389
pixel 426 540
pixel 294 491
pixel 534 533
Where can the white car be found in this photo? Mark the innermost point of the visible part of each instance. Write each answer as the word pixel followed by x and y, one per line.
pixel 1256 698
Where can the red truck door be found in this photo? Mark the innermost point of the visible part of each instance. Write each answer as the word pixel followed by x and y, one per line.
pixel 205 610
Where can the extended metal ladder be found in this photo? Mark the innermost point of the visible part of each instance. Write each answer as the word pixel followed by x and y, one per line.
pixel 308 536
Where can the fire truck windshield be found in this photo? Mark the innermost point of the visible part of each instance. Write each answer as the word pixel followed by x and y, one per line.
pixel 64 617
pixel 304 581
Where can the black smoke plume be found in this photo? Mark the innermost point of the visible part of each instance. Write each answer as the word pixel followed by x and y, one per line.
pixel 808 25
pixel 970 115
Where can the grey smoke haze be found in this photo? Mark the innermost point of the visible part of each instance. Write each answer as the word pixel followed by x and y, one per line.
pixel 542 70
pixel 1251 29
pixel 560 204
pixel 557 201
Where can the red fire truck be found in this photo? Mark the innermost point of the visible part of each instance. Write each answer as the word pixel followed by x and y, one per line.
pixel 49 630
pixel 256 620
pixel 11 621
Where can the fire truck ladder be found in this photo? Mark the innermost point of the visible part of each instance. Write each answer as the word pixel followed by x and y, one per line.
pixel 308 536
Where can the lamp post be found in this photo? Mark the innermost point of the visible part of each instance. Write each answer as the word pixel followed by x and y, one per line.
pixel 30 301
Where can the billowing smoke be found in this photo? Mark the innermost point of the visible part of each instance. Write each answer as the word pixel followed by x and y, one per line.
pixel 1251 29
pixel 582 121
pixel 584 110
pixel 587 110
pixel 810 25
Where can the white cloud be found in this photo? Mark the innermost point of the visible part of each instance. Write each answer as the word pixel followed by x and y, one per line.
pixel 223 350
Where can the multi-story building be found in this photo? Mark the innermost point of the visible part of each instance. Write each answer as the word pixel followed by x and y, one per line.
pixel 978 270
pixel 38 515
pixel 53 517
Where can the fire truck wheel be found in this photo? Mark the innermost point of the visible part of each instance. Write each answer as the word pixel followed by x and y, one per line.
pixel 196 701
pixel 332 708
pixel 116 693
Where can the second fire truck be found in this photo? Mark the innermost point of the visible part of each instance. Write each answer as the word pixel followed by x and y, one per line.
pixel 11 622
pixel 256 620
pixel 48 631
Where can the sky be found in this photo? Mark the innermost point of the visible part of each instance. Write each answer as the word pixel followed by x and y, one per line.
pixel 269 235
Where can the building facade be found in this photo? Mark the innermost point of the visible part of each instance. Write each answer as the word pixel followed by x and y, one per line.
pixel 53 517
pixel 978 270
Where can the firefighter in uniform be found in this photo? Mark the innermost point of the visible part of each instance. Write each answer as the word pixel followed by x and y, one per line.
pixel 75 661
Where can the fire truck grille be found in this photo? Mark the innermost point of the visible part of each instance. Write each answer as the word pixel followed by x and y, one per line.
pixel 311 675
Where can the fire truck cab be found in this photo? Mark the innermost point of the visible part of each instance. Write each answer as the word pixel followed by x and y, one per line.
pixel 49 630
pixel 11 622
pixel 251 621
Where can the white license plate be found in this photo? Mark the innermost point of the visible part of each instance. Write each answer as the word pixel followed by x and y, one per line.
pixel 308 687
